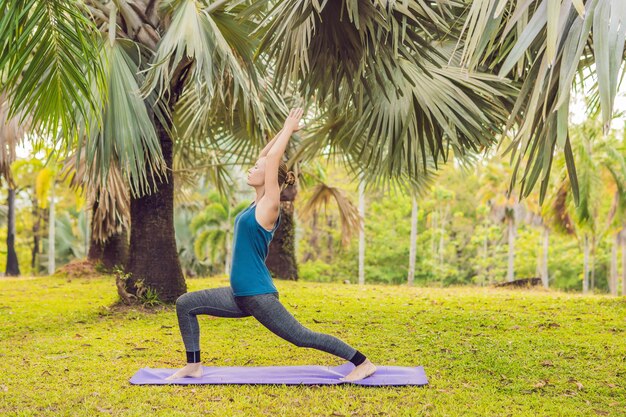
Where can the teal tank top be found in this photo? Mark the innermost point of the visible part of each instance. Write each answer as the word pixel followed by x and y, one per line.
pixel 249 274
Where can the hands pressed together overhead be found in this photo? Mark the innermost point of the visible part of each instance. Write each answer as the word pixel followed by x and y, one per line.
pixel 292 122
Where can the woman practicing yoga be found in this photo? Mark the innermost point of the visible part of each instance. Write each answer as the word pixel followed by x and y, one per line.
pixel 251 291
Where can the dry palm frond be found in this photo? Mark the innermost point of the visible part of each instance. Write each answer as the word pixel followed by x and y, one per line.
pixel 112 200
pixel 348 213
pixel 12 132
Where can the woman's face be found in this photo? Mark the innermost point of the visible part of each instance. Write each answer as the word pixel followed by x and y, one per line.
pixel 256 174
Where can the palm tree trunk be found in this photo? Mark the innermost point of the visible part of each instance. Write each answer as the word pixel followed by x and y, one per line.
pixel 433 232
pixel 593 262
pixel 413 245
pixel 51 233
pixel 510 275
pixel 113 251
pixel 313 249
pixel 34 262
pixel 153 255
pixel 362 232
pixel 545 276
pixel 613 273
pixel 12 267
pixel 623 239
pixel 586 265
pixel 442 236
pixel 329 239
pixel 228 243
pixel 485 249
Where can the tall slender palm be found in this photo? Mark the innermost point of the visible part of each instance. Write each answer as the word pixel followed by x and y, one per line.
pixel 602 174
pixel 12 132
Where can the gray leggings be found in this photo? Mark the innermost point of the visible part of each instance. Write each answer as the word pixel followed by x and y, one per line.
pixel 266 308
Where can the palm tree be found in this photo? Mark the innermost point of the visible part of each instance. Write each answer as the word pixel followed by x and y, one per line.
pixel 504 207
pixel 321 194
pixel 389 100
pixel 212 230
pixel 12 132
pixel 100 103
pixel 602 163
pixel 385 76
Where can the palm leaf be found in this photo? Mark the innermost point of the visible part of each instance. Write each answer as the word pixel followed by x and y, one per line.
pixel 48 59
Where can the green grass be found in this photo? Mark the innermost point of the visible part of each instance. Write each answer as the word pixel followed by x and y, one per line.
pixel 486 352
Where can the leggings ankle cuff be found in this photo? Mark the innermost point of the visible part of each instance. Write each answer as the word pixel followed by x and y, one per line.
pixel 193 357
pixel 358 358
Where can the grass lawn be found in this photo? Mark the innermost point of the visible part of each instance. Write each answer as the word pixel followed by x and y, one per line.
pixel 487 352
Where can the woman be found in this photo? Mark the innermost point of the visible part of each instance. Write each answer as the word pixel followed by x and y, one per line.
pixel 251 291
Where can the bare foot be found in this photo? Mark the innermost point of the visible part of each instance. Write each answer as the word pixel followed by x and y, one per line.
pixel 364 370
pixel 193 370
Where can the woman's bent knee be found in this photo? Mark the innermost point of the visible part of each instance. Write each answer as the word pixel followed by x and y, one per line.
pixel 182 301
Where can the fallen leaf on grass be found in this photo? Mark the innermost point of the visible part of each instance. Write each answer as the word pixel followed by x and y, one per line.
pixel 547 363
pixel 601 412
pixel 578 384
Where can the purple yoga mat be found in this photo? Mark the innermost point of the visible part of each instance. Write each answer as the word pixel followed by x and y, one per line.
pixel 288 375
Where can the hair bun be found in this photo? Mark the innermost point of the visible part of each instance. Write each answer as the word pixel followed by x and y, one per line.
pixel 291 178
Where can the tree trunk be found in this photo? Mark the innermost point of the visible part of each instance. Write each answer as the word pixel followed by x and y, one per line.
pixel 51 232
pixel 433 227
pixel 510 275
pixel 281 257
pixel 593 262
pixel 34 263
pixel 623 262
pixel 485 253
pixel 545 276
pixel 153 255
pixel 413 246
pixel 313 251
pixel 12 267
pixel 228 242
pixel 113 251
pixel 586 265
pixel 329 239
pixel 613 272
pixel 442 233
pixel 362 232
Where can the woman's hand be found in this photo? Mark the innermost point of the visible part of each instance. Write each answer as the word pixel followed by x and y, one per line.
pixel 292 123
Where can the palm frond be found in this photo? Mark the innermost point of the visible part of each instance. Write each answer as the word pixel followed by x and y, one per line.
pixel 552 43
pixel 48 63
pixel 12 133
pixel 128 136
pixel 330 45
